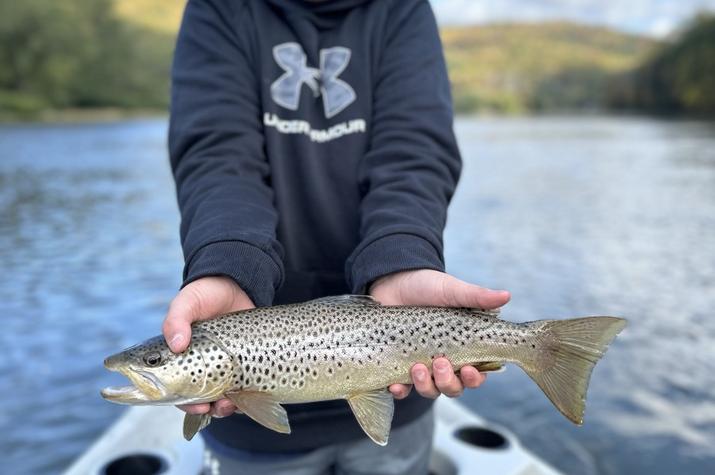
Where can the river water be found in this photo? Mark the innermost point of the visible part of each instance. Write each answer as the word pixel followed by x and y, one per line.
pixel 574 215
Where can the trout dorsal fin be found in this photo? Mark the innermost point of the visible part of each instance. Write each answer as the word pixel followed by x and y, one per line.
pixel 346 300
pixel 482 313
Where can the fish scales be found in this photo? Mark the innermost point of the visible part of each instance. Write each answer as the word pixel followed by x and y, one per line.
pixel 350 347
pixel 315 351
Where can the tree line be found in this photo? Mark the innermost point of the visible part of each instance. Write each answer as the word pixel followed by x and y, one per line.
pixel 57 55
pixel 678 78
pixel 78 54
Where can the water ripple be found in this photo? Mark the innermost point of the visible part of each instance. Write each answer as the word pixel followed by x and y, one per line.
pixel 575 216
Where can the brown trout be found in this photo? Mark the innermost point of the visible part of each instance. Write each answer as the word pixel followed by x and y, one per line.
pixel 351 347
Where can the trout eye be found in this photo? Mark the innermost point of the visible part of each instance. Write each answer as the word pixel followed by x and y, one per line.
pixel 152 359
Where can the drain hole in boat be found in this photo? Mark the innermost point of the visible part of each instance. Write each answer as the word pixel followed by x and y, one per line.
pixel 136 464
pixel 482 437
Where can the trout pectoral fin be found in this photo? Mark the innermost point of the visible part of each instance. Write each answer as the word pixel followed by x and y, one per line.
pixel 373 411
pixel 489 366
pixel 194 423
pixel 262 408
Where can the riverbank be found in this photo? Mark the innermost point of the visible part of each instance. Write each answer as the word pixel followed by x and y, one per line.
pixel 76 115
pixel 106 115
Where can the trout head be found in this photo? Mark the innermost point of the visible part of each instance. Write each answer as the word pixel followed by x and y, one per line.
pixel 202 373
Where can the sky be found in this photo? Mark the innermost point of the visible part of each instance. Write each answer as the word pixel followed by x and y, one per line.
pixel 656 18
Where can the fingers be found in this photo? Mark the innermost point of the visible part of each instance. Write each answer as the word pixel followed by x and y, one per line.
pixel 471 377
pixel 223 408
pixel 220 408
pixel 204 298
pixel 183 310
pixel 400 391
pixel 457 293
pixel 444 378
pixel 195 408
pixel 423 381
pixel 434 288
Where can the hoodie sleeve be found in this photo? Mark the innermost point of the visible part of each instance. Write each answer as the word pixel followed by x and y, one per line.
pixel 217 156
pixel 411 169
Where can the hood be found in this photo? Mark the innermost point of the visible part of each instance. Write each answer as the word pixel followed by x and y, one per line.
pixel 323 14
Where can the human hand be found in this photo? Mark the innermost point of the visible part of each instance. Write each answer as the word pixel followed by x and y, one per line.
pixel 437 289
pixel 202 299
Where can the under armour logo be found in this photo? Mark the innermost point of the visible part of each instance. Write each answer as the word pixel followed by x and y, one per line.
pixel 337 94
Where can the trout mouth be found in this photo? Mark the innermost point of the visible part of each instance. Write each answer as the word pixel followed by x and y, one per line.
pixel 146 387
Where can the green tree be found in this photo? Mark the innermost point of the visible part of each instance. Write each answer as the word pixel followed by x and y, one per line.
pixel 678 78
pixel 78 53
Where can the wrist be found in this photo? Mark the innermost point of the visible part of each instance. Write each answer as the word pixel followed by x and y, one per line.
pixel 390 254
pixel 252 269
pixel 388 281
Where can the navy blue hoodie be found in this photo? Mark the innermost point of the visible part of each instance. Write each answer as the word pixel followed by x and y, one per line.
pixel 313 152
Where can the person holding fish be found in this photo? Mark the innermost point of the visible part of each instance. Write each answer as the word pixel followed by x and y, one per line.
pixel 313 152
pixel 311 144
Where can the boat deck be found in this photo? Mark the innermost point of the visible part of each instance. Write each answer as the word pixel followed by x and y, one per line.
pixel 147 440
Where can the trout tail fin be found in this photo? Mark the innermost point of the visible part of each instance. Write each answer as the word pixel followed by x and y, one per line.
pixel 569 351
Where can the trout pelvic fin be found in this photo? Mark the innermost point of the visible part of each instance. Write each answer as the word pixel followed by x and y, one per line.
pixel 262 408
pixel 193 423
pixel 373 411
pixel 572 348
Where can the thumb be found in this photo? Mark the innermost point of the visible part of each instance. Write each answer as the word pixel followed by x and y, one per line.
pixel 183 310
pixel 458 293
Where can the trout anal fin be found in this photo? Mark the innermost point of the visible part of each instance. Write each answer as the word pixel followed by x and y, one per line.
pixel 262 408
pixel 373 411
pixel 489 366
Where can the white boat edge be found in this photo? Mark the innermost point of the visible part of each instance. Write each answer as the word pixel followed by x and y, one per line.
pixel 461 446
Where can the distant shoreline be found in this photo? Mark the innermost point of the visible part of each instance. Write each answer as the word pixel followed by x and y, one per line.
pixel 102 115
pixel 73 115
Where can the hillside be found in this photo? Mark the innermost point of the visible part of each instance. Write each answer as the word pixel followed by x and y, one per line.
pixel 502 68
pixel 677 79
pixel 121 56
pixel 162 16
pixel 515 67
